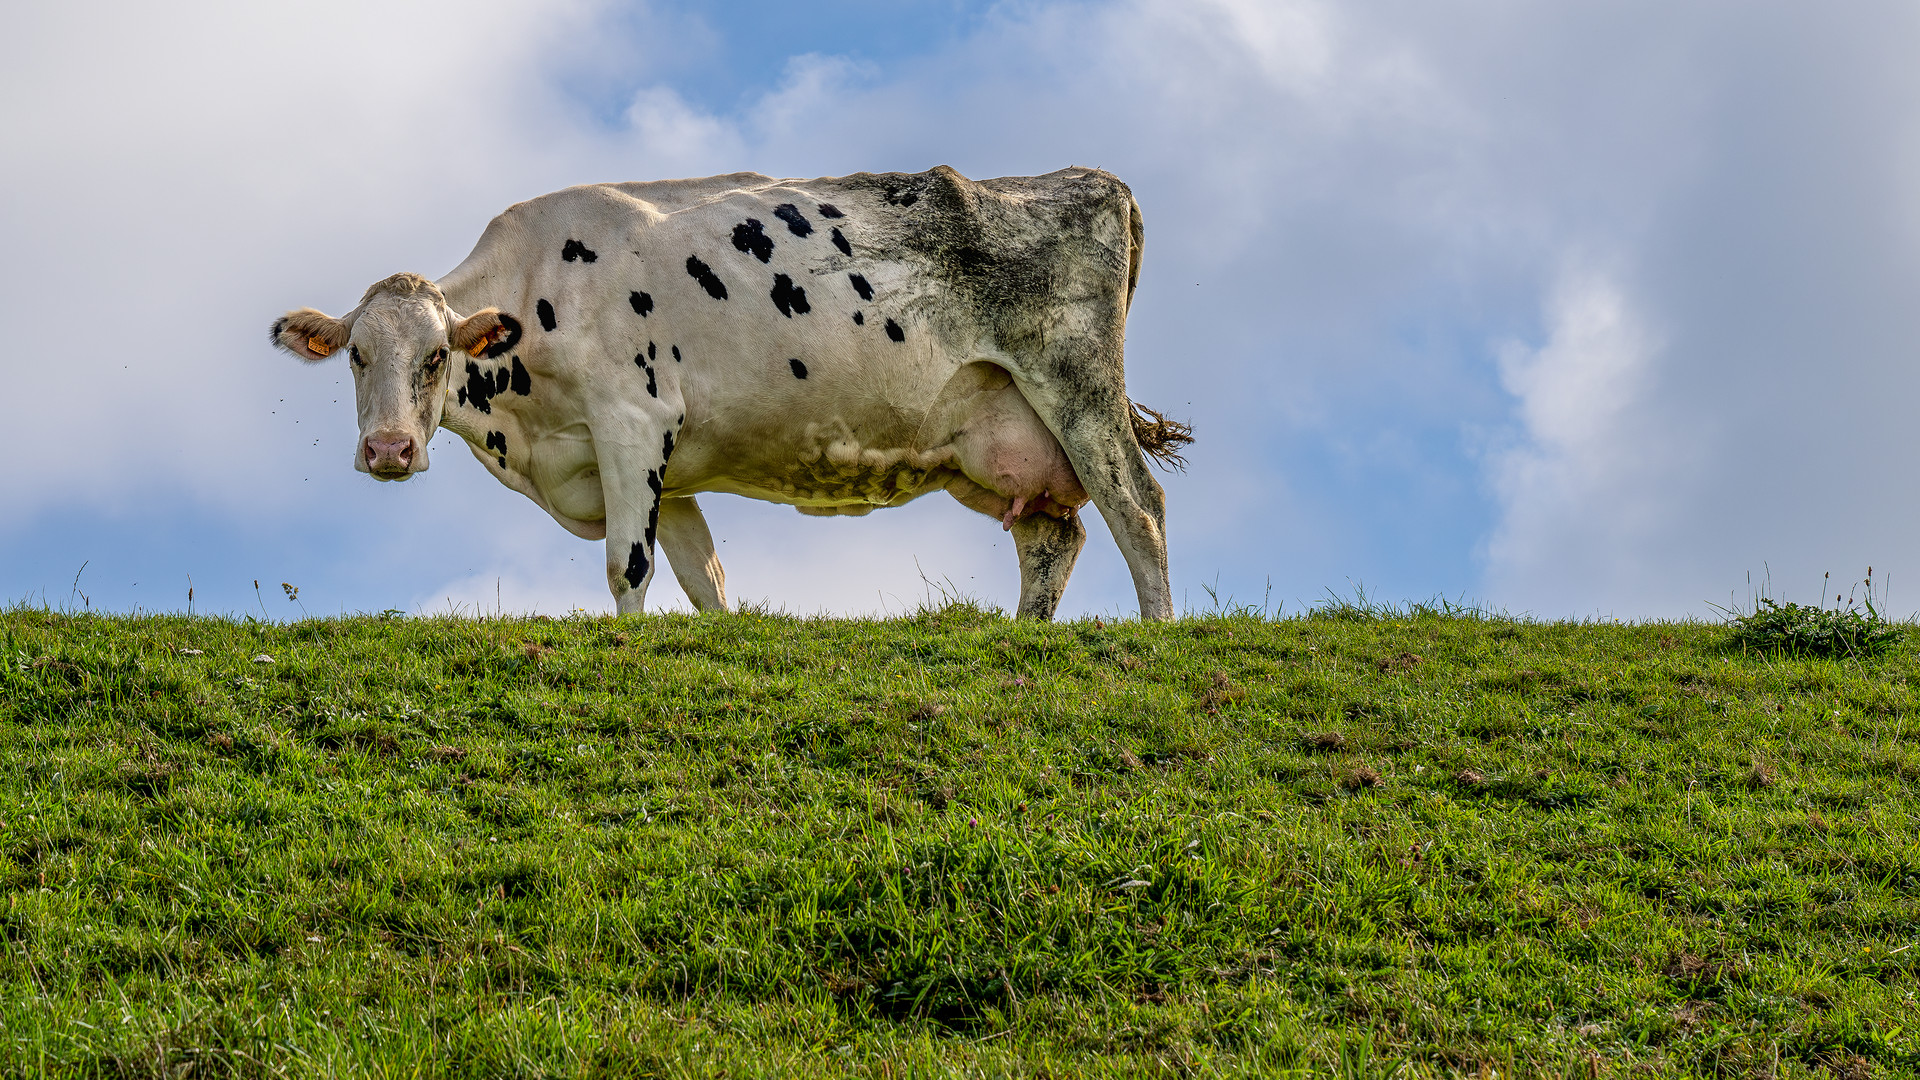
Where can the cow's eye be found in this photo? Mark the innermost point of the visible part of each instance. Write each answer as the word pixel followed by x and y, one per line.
pixel 435 359
pixel 354 353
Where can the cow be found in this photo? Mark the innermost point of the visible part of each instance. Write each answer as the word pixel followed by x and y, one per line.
pixel 837 344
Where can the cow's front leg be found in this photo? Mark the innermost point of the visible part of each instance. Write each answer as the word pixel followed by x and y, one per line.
pixel 688 545
pixel 632 467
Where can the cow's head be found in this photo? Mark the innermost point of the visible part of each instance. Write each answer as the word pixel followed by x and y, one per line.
pixel 399 343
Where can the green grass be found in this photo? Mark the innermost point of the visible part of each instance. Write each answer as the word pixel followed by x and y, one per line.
pixel 1386 843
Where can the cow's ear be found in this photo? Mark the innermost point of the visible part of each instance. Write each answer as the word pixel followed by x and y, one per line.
pixel 489 332
pixel 311 335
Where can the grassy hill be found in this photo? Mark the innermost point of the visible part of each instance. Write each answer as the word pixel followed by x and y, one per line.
pixel 1390 844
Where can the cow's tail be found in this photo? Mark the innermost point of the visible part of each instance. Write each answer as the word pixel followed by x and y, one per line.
pixel 1136 239
pixel 1158 436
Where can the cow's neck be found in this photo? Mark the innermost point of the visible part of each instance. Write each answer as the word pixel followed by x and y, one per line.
pixel 462 289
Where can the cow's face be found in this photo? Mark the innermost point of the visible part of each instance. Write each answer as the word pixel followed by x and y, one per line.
pixel 398 342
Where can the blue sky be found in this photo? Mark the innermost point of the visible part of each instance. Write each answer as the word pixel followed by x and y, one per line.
pixel 1589 309
pixel 725 58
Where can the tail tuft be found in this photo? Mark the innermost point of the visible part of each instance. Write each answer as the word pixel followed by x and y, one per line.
pixel 1160 437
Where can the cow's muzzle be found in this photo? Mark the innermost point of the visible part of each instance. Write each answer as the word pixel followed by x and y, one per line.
pixel 389 456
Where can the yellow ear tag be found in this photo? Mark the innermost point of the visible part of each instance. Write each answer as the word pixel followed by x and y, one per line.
pixel 481 345
pixel 319 347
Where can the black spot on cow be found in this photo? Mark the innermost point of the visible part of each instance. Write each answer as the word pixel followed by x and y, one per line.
pixel 640 361
pixel 797 224
pixel 642 303
pixel 512 326
pixel 520 382
pixel 666 451
pixel 894 331
pixel 574 249
pixel 799 369
pixel 859 318
pixel 902 196
pixel 840 241
pixel 479 390
pixel 676 354
pixel 637 564
pixel 653 515
pixel 747 237
pixel 704 274
pixel 545 311
pixel 860 286
pixel 497 440
pixel 828 210
pixel 789 297
pixel 652 350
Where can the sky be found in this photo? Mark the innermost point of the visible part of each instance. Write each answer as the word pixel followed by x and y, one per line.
pixel 1585 310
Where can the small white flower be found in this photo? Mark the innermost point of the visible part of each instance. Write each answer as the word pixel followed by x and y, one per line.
pixel 263 658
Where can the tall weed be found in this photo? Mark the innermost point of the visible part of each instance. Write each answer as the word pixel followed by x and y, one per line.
pixel 1852 628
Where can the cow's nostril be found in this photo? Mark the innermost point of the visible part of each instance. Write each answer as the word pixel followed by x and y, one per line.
pixel 388 455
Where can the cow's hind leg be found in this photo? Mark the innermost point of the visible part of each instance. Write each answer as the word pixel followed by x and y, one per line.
pixel 1085 404
pixel 1047 547
pixel 1114 472
pixel 688 546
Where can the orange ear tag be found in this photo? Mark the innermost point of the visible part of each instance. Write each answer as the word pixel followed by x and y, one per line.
pixel 319 347
pixel 481 345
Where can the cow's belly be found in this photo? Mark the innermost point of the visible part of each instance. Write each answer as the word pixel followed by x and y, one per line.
pixel 830 464
pixel 976 437
pixel 864 453
pixel 819 472
pixel 854 490
pixel 566 471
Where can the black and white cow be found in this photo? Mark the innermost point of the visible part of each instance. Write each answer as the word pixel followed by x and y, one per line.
pixel 837 344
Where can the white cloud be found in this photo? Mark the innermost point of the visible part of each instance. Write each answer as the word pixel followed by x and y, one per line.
pixel 1581 489
pixel 883 563
pixel 534 577
pixel 1291 40
pixel 1573 390
pixel 204 168
pixel 676 138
